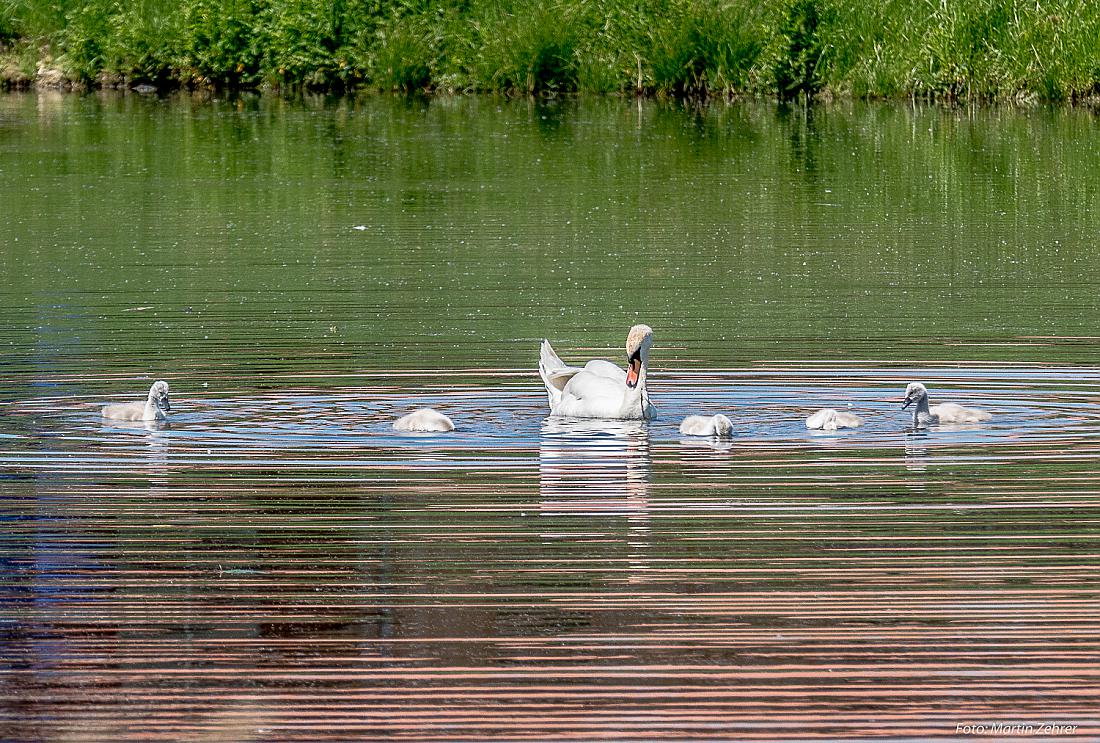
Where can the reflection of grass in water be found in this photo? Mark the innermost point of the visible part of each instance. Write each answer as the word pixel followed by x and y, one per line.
pixel 741 233
pixel 972 49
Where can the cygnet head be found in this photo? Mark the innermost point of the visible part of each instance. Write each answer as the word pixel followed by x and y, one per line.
pixel 723 426
pixel 914 393
pixel 638 341
pixel 158 395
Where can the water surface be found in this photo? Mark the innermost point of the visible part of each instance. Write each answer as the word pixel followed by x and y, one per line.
pixel 277 563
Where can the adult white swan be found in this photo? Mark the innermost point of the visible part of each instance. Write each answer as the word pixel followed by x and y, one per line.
pixel 155 408
pixel 948 412
pixel 600 389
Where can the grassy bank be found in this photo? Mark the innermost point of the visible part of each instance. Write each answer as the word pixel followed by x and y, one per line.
pixel 942 49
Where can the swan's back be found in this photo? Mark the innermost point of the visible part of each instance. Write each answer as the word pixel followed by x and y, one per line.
pixel 830 419
pixel 848 420
pixel 604 368
pixel 125 411
pixel 700 425
pixel 424 420
pixel 949 412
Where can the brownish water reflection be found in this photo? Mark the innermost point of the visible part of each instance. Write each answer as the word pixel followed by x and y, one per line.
pixel 283 567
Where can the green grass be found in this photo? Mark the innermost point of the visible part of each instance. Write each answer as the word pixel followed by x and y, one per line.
pixel 936 49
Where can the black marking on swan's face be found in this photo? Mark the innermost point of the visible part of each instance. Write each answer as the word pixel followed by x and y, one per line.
pixel 637 341
pixel 633 369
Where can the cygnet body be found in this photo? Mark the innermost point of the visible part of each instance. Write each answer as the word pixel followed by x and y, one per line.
pixel 916 394
pixel 155 408
pixel 830 419
pixel 424 420
pixel 701 425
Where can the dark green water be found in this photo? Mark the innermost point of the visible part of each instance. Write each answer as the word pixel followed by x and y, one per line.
pixel 392 233
pixel 279 564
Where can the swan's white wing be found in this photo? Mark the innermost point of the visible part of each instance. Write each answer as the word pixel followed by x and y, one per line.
pixel 555 373
pixel 558 378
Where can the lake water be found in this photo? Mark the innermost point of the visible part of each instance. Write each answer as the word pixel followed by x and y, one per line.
pixel 278 564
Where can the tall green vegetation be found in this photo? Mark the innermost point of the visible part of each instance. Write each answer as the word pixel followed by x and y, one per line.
pixel 951 49
pixel 802 47
pixel 704 47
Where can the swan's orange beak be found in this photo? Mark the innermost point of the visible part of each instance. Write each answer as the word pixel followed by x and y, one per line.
pixel 633 369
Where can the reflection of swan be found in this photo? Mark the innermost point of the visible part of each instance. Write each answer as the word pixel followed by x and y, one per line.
pixel 601 389
pixel 155 408
pixel 947 412
pixel 425 419
pixel 916 454
pixel 829 419
pixel 701 425
pixel 583 458
pixel 592 430
pixel 594 478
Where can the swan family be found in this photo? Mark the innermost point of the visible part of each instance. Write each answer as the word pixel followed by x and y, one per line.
pixel 602 389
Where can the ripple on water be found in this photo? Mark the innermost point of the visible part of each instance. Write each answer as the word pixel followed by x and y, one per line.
pixel 524 575
pixel 768 408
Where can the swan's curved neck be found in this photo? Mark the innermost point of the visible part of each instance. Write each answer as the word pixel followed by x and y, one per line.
pixel 644 355
pixel 920 410
pixel 637 398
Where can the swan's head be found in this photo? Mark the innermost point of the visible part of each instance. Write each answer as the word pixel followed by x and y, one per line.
pixel 638 341
pixel 723 426
pixel 158 394
pixel 915 392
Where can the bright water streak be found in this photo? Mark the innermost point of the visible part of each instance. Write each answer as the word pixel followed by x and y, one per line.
pixel 278 564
